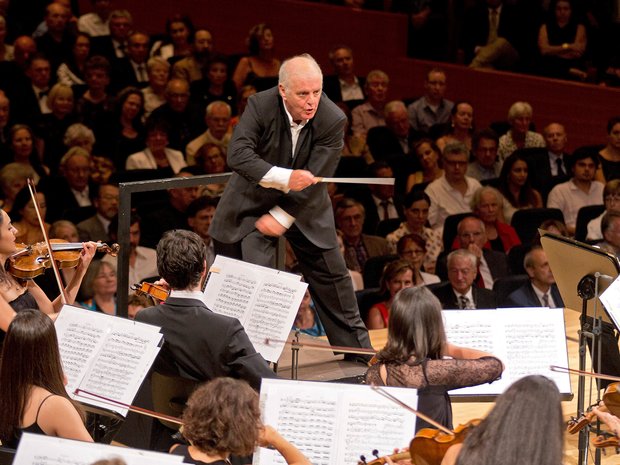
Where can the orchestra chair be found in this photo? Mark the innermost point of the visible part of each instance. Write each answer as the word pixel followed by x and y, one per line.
pixel 503 287
pixel 526 222
pixel 449 229
pixel 373 269
pixel 366 298
pixel 6 455
pixel 584 216
pixel 515 258
pixel 170 393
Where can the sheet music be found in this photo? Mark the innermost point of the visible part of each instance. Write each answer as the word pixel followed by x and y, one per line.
pixel 527 340
pixel 610 299
pixel 38 449
pixel 105 355
pixel 333 423
pixel 264 300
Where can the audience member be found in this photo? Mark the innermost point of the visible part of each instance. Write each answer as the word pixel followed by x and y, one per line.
pixel 429 156
pixel 99 288
pixel 610 229
pixel 199 215
pixel 356 276
pixel 370 113
pixel 197 350
pixel 32 93
pixel 549 166
pixel 515 186
pixel 94 105
pixel 155 93
pixel 142 260
pixel 611 200
pixel 307 321
pixel 460 291
pixel 416 206
pixel 462 126
pixel 13 178
pixel 193 67
pixel 79 135
pixel 24 152
pixel 417 355
pixel 242 100
pixel 452 192
pixel 130 70
pixel 157 154
pixel 215 86
pixel 25 219
pixel 609 156
pixel 65 230
pixel 359 247
pixel 211 159
pixel 97 22
pixel 71 72
pixel 432 108
pixel 260 68
pixel 343 85
pixel 487 204
pixel 178 41
pixel 396 275
pixel 412 247
pixel 114 46
pixel 540 290
pixel 562 43
pixel 217 119
pixel 579 191
pixel 6 50
pixel 55 44
pixel 95 228
pixel 519 135
pixel 485 165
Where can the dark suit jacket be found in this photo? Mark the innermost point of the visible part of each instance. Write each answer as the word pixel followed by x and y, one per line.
pixel 261 140
pixel 539 170
pixel 203 345
pixel 483 298
pixel 123 75
pixel 91 229
pixel 59 197
pixel 103 46
pixel 497 261
pixel 24 104
pixel 526 297
pixel 331 86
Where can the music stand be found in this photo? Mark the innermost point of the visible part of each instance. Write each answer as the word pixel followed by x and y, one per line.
pixel 582 272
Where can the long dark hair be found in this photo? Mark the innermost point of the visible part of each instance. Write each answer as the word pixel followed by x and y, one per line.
pixel 501 437
pixel 415 327
pixel 30 357
pixel 526 194
pixel 34 158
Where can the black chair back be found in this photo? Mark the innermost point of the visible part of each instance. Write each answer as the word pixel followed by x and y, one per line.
pixel 584 216
pixel 503 287
pixel 373 269
pixel 385 227
pixel 526 222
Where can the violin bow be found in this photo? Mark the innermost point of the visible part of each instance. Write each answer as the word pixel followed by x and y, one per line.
pixel 132 408
pixel 396 400
pixel 310 345
pixel 33 195
pixel 558 369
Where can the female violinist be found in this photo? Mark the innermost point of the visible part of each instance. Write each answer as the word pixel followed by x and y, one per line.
pixel 416 352
pixel 16 295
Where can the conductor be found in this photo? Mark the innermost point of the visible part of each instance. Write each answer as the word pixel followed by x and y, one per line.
pixel 286 136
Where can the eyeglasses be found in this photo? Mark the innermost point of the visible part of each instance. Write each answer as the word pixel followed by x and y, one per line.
pixel 612 198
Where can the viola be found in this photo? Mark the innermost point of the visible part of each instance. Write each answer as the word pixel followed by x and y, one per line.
pixel 429 445
pixel 31 261
pixel 151 290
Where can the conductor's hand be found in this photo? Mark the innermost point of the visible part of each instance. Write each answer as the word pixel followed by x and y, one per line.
pixel 300 179
pixel 269 226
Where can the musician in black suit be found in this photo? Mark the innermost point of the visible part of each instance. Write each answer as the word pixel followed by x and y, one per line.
pixel 460 292
pixel 541 290
pixel 198 344
pixel 285 137
pixel 549 166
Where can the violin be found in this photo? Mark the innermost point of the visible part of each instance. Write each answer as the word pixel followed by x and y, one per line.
pixel 429 445
pixel 31 261
pixel 381 460
pixel 151 290
pixel 611 401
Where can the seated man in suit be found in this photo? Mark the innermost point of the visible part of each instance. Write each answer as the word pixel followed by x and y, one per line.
pixel 350 216
pixel 344 86
pixel 460 292
pixel 199 344
pixel 114 45
pixel 95 228
pixel 492 264
pixel 541 290
pixel 131 69
pixel 485 165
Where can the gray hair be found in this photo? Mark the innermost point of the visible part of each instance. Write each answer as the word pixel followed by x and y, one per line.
pixel 377 73
pixel 218 103
pixel 78 131
pixel 519 109
pixel 12 171
pixel 394 106
pixel 154 61
pixel 455 148
pixel 121 14
pixel 528 260
pixel 312 68
pixel 476 198
pixel 464 253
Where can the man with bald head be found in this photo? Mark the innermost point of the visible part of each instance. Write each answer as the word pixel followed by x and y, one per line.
pixel 286 136
pixel 13 72
pixel 550 165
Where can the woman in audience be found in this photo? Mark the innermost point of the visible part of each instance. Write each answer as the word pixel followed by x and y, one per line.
pixel 609 156
pixel 412 248
pixel 261 67
pixel 519 135
pixel 488 205
pixel 532 400
pixel 65 230
pixel 211 159
pixel 462 126
pixel 178 43
pixel 22 146
pixel 78 135
pixel 562 43
pixel 33 398
pixel 13 178
pixel 155 93
pixel 222 418
pixel 306 320
pixel 71 73
pixel 514 184
pixel 429 155
pixel 99 288
pixel 216 85
pixel 417 355
pixel 396 275
pixel 416 205
pixel 53 126
pixel 156 155
pixel 25 218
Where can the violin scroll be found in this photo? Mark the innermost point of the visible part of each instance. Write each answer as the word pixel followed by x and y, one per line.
pixel 151 290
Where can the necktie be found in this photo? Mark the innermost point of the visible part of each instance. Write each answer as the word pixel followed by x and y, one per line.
pixel 42 94
pixel 561 172
pixel 545 299
pixel 386 214
pixel 465 303
pixel 493 24
pixel 142 76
